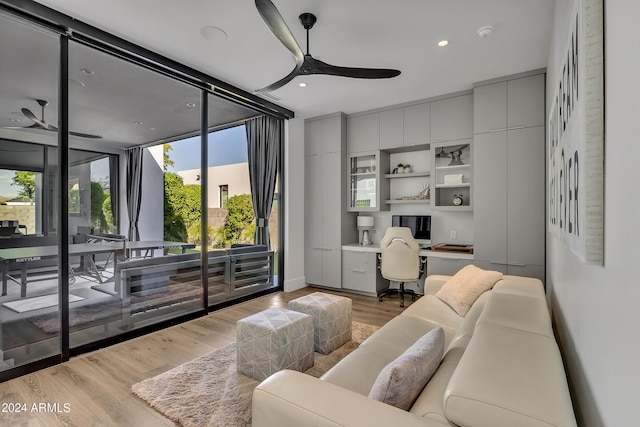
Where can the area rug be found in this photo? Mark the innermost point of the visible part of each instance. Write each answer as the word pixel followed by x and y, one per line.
pixel 36 303
pixel 208 391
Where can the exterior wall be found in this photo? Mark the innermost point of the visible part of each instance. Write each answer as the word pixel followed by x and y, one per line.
pixel 595 307
pixel 25 214
pixel 151 224
pixel 236 176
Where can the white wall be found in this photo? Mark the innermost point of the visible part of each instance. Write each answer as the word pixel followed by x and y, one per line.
pixel 294 204
pixel 235 175
pixel 596 307
pixel 151 223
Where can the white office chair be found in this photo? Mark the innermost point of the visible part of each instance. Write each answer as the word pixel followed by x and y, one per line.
pixel 400 261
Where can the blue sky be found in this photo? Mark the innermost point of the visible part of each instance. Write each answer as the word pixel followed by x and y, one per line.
pixel 226 147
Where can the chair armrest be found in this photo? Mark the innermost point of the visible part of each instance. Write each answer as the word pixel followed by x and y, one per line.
pixel 290 398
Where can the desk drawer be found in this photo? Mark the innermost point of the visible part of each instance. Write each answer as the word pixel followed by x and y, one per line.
pixel 359 271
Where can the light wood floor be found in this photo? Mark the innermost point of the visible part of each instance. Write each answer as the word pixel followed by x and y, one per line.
pixel 97 386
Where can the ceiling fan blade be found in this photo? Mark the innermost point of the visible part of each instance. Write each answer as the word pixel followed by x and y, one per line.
pixel 80 134
pixel 85 135
pixel 33 118
pixel 320 67
pixel 278 27
pixel 281 82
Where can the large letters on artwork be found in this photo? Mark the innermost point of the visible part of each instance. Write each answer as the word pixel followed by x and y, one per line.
pixel 576 139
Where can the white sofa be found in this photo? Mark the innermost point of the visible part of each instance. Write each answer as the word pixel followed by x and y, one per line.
pixel 501 367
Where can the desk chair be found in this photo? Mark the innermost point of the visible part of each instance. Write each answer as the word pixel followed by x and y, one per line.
pixel 399 261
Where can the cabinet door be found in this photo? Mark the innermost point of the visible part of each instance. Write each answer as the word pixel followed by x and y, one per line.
pixel 331 206
pixel 490 107
pixel 416 124
pixel 313 201
pixel 526 101
pixel 312 137
pixel 363 133
pixel 452 118
pixel 359 271
pixel 528 270
pixel 332 134
pixel 313 265
pixel 526 196
pixel 391 128
pixel 332 268
pixel 490 197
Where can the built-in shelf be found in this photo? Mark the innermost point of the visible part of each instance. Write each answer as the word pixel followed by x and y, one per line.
pixel 464 184
pixel 407 202
pixel 453 167
pixel 407 175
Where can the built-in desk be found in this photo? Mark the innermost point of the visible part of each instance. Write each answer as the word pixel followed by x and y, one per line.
pixel 360 268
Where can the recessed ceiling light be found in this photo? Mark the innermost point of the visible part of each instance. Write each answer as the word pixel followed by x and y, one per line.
pixel 152 128
pixel 211 32
pixel 191 104
pixel 443 43
pixel 302 84
pixel 13 119
pixel 137 123
pixel 77 82
pixel 88 71
pixel 485 32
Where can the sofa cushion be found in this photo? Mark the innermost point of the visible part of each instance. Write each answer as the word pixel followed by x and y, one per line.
pixel 401 381
pixel 465 287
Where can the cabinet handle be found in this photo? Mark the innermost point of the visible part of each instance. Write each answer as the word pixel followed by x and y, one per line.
pixel 517 264
pixel 516 127
pixel 358 271
pixel 498 263
pixel 439 140
pixel 497 130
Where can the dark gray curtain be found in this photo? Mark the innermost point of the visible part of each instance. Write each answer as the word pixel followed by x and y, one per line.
pixel 264 140
pixel 134 190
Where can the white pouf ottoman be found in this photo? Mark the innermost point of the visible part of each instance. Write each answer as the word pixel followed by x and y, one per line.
pixel 273 340
pixel 331 319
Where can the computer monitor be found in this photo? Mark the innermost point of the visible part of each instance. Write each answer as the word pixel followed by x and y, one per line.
pixel 420 226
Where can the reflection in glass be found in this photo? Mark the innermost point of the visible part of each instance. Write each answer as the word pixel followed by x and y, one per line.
pixel 28 246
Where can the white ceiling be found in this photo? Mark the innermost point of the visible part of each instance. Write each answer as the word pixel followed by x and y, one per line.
pixel 400 34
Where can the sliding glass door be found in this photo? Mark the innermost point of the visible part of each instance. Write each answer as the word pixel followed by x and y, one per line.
pixel 28 192
pixel 147 270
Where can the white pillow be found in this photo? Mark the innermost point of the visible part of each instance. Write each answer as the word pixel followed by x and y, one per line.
pixel 400 382
pixel 461 291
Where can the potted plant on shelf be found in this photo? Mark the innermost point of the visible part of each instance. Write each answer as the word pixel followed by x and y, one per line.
pixel 399 168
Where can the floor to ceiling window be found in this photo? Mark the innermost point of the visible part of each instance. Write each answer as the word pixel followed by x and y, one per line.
pixel 149 237
pixel 28 240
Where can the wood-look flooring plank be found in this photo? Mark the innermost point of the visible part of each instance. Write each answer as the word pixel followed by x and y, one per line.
pixel 97 385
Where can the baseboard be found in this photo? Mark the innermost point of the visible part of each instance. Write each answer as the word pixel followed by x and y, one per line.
pixel 294 284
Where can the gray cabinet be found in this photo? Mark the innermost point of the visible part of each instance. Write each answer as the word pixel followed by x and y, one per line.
pixel 509 177
pixel 524 96
pixel 327 224
pixel 367 188
pixel 452 118
pixel 405 126
pixel 416 123
pixel 391 128
pixel 363 133
pixel 360 273
pixel 445 266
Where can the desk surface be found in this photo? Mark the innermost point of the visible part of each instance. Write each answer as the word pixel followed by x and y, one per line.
pixel 356 247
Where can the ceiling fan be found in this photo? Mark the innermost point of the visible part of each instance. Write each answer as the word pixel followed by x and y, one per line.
pixel 305 63
pixel 41 124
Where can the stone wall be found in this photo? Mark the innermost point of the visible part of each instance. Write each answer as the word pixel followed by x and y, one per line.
pixel 25 214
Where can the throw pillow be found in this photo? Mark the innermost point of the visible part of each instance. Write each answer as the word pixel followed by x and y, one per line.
pixel 401 381
pixel 461 291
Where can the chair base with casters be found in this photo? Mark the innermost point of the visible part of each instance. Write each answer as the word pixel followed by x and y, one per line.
pixel 400 291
